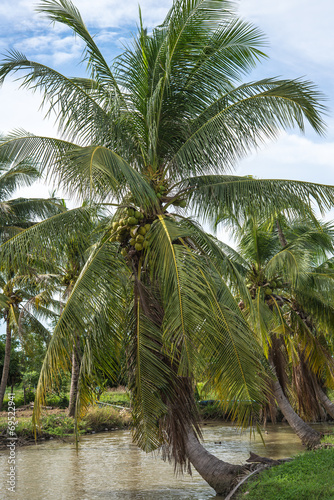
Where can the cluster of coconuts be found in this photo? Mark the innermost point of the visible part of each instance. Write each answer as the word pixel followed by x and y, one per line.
pixel 272 287
pixel 162 189
pixel 131 231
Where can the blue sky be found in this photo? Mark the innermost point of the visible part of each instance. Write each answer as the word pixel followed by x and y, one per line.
pixel 300 43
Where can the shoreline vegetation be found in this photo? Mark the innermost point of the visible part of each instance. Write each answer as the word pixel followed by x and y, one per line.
pixel 308 475
pixel 111 412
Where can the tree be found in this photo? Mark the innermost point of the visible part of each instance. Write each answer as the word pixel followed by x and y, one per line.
pixel 153 135
pixel 15 216
pixel 287 271
pixel 16 367
pixel 74 250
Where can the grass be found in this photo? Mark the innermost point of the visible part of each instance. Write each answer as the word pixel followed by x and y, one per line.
pixel 309 476
pixel 328 438
pixel 99 419
pixel 118 396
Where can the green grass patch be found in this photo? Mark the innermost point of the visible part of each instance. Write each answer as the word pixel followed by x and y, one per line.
pixel 328 438
pixel 309 476
pixel 118 397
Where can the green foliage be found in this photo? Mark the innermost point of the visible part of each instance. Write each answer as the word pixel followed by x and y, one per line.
pixel 60 425
pixel 57 425
pixel 16 366
pixel 308 476
pixel 328 438
pixel 19 399
pixel 30 379
pixel 117 398
pixel 60 400
pixel 102 418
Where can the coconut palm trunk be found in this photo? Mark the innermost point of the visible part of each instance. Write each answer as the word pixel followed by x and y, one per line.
pixel 324 400
pixel 5 370
pixel 74 379
pixel 308 436
pixel 218 474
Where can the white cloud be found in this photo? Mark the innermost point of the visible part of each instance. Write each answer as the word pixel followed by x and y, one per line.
pixel 298 28
pixel 100 13
pixel 292 157
pixel 21 109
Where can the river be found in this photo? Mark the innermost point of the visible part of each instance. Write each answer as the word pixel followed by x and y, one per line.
pixel 109 466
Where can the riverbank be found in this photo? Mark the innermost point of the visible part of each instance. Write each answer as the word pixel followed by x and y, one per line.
pixel 55 424
pixel 308 476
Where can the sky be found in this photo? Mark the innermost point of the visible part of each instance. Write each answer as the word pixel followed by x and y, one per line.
pixel 300 44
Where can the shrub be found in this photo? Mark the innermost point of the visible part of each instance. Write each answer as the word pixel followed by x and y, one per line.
pixel 101 418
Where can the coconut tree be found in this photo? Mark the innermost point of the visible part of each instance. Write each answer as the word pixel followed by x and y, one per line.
pixel 24 308
pixel 312 309
pixel 68 265
pixel 153 135
pixel 16 215
pixel 290 280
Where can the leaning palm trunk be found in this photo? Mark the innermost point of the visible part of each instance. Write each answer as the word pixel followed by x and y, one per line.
pixel 324 400
pixel 306 434
pixel 74 380
pixel 5 370
pixel 220 475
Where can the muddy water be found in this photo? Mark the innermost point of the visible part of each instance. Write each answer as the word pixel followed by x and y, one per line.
pixel 109 466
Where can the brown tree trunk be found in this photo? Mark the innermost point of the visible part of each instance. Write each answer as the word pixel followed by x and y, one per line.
pixel 221 476
pixel 306 434
pixel 324 400
pixel 6 362
pixel 74 379
pixel 281 236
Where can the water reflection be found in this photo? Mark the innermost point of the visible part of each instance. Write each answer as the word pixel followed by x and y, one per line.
pixel 109 466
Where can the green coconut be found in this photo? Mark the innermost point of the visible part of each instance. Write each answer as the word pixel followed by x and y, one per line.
pixel 142 230
pixel 145 244
pixel 132 242
pixel 137 214
pixel 115 225
pixel 147 227
pixel 183 204
pixel 139 238
pixel 138 247
pixel 130 212
pixel 132 221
